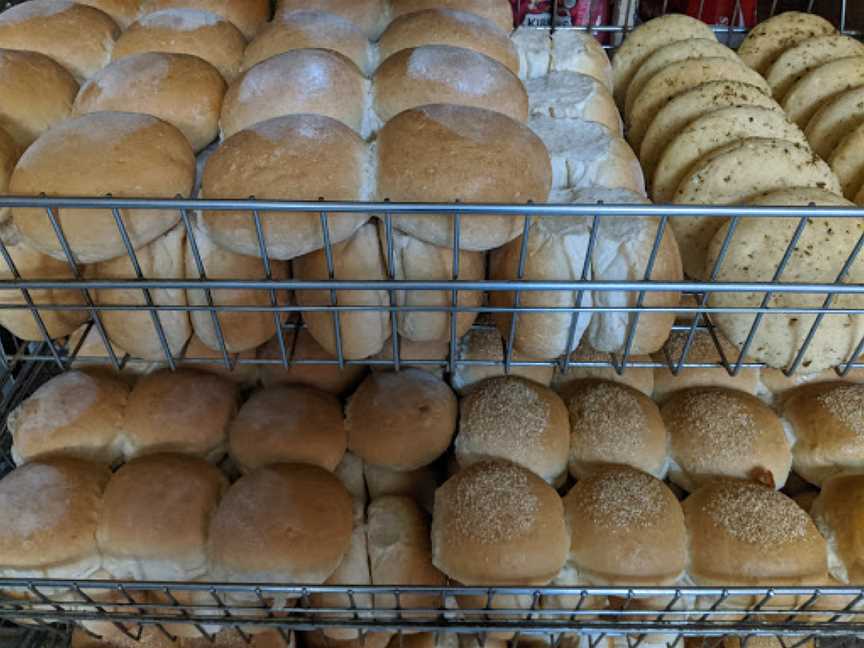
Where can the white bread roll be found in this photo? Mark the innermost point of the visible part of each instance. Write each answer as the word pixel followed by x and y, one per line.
pixel 37 92
pixel 418 484
pixel 497 12
pixel 241 331
pixel 837 512
pixel 611 423
pixel 363 333
pixel 183 90
pixel 640 378
pixel 310 29
pixel 534 47
pixel 796 61
pixel 157 162
pixel 570 95
pixel 314 81
pixel 186 31
pixel 386 404
pixel 723 433
pixel 78 37
pixel 200 357
pixel 51 508
pixel 247 15
pixel 513 419
pixel 462 153
pixel 496 523
pixel 370 16
pixel 75 414
pixel 838 116
pixel 288 424
pixel 820 85
pixel 298 157
pixel 574 50
pixel 410 352
pixel 449 27
pixel 768 40
pixel 182 411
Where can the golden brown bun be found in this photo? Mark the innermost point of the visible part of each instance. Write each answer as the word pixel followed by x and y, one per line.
pixel 298 157
pixel 442 153
pixel 838 512
pixel 93 358
pixel 288 424
pixel 780 386
pixel 242 370
pixel 247 15
pixel 386 404
pixel 186 31
pixel 498 523
pixel 370 16
pixel 123 12
pixel 410 350
pixel 640 378
pixel 418 484
pixel 124 154
pixel 77 37
pixel 497 12
pixel 75 414
pixel 285 522
pixel 38 93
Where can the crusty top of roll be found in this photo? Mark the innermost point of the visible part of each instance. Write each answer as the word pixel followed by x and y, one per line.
pixel 370 16
pixel 401 419
pixel 288 522
pixel 123 12
pixel 743 533
pixel 247 15
pixel 498 523
pixel 641 378
pixel 497 12
pixel 838 512
pixel 50 510
pixel 626 527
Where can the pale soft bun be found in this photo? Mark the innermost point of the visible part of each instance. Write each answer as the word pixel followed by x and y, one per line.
pixel 179 411
pixel 496 523
pixel 838 513
pixel 298 157
pixel 418 484
pixel 772 37
pixel 847 162
pixel 247 15
pixel 410 350
pixel 280 85
pixel 186 31
pixel 534 47
pixel 183 90
pixel 370 16
pixel 78 37
pixel 639 378
pixel 571 95
pixel 716 432
pixel 626 528
pixel 516 420
pixel 461 153
pixel 449 27
pixel 75 414
pixel 248 539
pixel 386 404
pixel 38 93
pixel 123 12
pixel 350 473
pixel 310 29
pixel 497 12
pixel 611 423
pixel 821 84
pixel 796 61
pixel 200 357
pixel 124 154
pixel 574 50
pixel 837 118
pixel 288 424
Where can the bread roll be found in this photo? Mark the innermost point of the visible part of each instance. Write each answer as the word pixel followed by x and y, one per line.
pixel 298 157
pixel 186 31
pixel 350 473
pixel 74 414
pixel 779 386
pixel 821 84
pixel 183 90
pixel 847 162
pixel 288 424
pixel 370 16
pixel 410 352
pixel 181 411
pixel 37 94
pixel 837 512
pixel 639 378
pixel 534 47
pixel 200 357
pixel 838 116
pixel 418 484
pixel 516 420
pixel 768 40
pixel 247 15
pixel 496 523
pixel 462 153
pixel 574 50
pixel 76 36
pixel 92 357
pixel 386 404
pixel 123 12
pixel 317 639
pixel 497 12
pixel 611 423
pixel 156 162
pixel 571 96
pixel 310 29
pixel 796 61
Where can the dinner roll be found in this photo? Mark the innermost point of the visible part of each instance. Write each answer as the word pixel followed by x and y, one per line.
pixel 820 85
pixel 461 153
pixel 370 16
pixel 611 423
pixel 183 90
pixel 496 523
pixel 796 61
pixel 91 356
pixel 186 31
pixel 837 512
pixel 497 12
pixel 516 420
pixel 410 352
pixel 350 473
pixel 297 157
pixel 288 424
pixel 78 37
pixel 640 378
pixel 717 432
pixel 418 484
pixel 179 411
pixel 768 40
pixel 777 386
pixel 247 15
pixel 124 154
pixel 200 357
pixel 574 50
pixel 37 94
pixel 386 404
pixel 571 95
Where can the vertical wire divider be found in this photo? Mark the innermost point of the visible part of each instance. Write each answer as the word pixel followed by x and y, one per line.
pixel 781 267
pixel 843 7
pixel 737 12
pixel 712 331
pixel 773 9
pixel 394 300
pixel 826 305
pixel 208 294
pixel 268 275
pixel 630 16
pixel 76 273
pixel 700 12
pixel 576 315
pixel 517 294
pixel 454 294
pixel 334 300
pixel 148 296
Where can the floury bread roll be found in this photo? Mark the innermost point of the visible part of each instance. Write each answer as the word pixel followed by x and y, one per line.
pixel 838 511
pixel 298 157
pixel 84 157
pixel 418 484
pixel 497 12
pixel 183 90
pixel 461 153
pixel 847 162
pixel 370 16
pixel 186 31
pixel 75 414
pixel 771 38
pixel 640 378
pixel 821 84
pixel 574 50
pixel 796 61
pixel 78 37
pixel 535 51
pixel 247 15
pixel 838 116
pixel 571 96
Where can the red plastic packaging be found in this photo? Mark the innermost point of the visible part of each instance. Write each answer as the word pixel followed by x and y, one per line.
pixel 571 13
